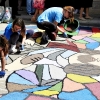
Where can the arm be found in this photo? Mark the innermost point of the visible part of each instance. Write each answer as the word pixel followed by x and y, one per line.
pixel 23 40
pixel 58 28
pixel 3 61
pixel 23 34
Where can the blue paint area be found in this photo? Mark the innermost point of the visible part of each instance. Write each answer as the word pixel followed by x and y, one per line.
pixel 31 26
pixel 92 45
pixel 14 78
pixel 84 94
pixel 45 50
pixel 68 53
pixel 36 89
pixel 1 32
pixel 78 29
pixel 85 28
pixel 14 96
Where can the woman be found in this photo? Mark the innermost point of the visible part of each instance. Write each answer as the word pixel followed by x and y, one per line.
pixel 85 5
pixel 51 17
pixel 14 5
pixel 3 54
pixel 16 32
pixel 39 8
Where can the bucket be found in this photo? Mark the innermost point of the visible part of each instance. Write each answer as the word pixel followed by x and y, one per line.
pixel 73 26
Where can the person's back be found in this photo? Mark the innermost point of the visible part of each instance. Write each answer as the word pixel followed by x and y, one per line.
pixel 51 14
pixel 8 31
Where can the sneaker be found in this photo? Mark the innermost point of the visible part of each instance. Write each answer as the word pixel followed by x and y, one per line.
pixel 2 73
pixel 81 18
pixel 12 51
pixel 29 13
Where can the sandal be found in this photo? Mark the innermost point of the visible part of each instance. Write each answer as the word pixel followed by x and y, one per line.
pixel 81 18
pixel 88 17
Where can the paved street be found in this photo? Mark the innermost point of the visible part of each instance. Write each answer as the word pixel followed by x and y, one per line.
pixel 95 22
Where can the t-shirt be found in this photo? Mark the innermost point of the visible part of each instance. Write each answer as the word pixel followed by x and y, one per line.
pixel 8 31
pixel 51 14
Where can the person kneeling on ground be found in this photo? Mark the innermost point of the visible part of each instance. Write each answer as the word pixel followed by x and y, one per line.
pixel 4 46
pixel 51 17
pixel 16 33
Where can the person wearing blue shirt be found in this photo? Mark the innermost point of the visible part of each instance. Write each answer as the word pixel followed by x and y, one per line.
pixel 16 33
pixel 51 17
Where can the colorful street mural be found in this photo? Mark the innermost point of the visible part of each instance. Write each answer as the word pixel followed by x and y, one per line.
pixel 65 69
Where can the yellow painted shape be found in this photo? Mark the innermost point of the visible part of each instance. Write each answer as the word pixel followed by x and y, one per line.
pixel 96 35
pixel 46 92
pixel 81 79
pixel 40 30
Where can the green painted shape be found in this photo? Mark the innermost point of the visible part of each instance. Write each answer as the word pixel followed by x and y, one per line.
pixel 59 32
pixel 39 72
pixel 81 41
pixel 56 87
pixel 94 38
pixel 70 33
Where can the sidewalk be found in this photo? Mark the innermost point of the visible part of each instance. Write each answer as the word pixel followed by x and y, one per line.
pixel 89 22
pixel 93 22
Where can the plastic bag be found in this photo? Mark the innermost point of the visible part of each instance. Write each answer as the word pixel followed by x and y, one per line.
pixel 7 16
pixel 1 12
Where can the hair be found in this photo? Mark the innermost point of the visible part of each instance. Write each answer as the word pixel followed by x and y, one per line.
pixel 70 10
pixel 19 22
pixel 4 44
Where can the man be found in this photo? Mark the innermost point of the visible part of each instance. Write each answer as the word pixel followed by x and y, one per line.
pixel 14 5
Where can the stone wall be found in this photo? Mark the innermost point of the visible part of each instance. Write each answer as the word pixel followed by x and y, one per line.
pixel 95 9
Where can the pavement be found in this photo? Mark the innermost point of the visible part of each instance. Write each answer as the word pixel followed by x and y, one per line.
pixel 89 22
pixel 54 57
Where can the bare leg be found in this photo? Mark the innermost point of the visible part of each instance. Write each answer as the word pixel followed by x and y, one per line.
pixel 81 14
pixel 33 19
pixel 87 14
pixel 40 11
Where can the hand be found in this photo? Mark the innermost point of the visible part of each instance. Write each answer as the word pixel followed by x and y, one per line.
pixel 65 34
pixel 21 47
pixel 68 29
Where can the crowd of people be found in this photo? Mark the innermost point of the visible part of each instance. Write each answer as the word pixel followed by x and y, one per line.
pixel 36 7
pixel 47 16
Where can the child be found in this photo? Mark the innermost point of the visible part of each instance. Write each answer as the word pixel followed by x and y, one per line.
pixel 16 33
pixel 51 17
pixel 39 8
pixel 3 53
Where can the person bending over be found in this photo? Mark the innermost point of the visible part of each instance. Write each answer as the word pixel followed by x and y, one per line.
pixel 4 46
pixel 51 17
pixel 16 33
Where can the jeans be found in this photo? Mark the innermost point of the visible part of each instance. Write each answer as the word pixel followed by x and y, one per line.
pixel 15 37
pixel 29 4
pixel 47 26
